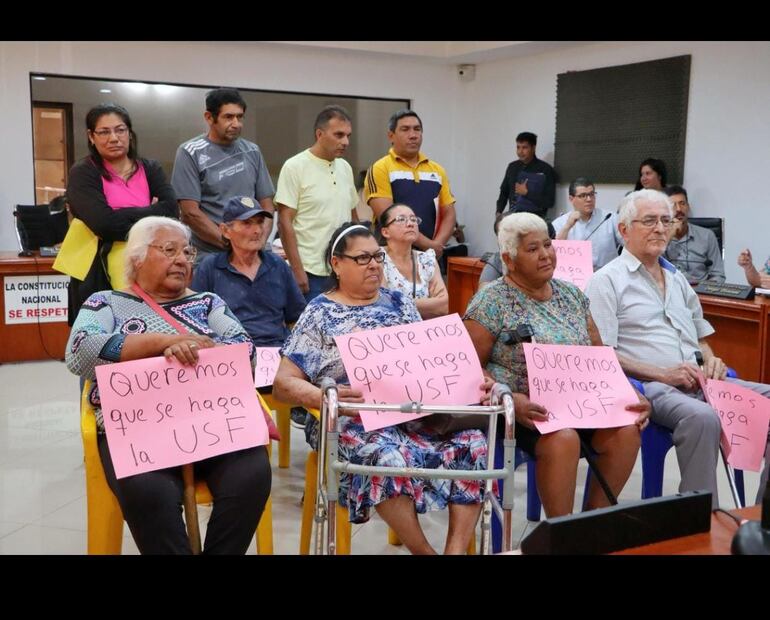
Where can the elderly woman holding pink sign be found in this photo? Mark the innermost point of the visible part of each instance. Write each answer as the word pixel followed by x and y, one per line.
pixel 529 304
pixel 137 323
pixel 358 302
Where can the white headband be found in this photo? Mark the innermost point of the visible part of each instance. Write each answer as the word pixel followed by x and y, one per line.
pixel 345 232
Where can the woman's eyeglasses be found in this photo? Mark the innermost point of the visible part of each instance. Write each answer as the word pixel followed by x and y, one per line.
pixel 365 259
pixel 104 134
pixel 404 219
pixel 171 251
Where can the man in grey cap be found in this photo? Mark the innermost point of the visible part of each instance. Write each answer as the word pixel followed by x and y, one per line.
pixel 258 286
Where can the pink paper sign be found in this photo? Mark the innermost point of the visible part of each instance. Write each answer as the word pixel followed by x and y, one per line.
pixel 268 359
pixel 574 261
pixel 745 417
pixel 158 413
pixel 432 362
pixel 580 386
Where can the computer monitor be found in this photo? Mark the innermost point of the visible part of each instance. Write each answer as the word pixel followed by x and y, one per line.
pixel 37 226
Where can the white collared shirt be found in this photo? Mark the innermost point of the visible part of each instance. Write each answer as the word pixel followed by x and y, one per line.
pixel 633 315
pixel 604 236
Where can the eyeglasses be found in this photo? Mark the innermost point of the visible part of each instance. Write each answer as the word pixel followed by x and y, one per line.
pixel 403 219
pixel 651 222
pixel 586 195
pixel 171 250
pixel 365 259
pixel 104 134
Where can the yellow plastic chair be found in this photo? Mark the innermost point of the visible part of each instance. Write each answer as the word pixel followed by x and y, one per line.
pixel 343 525
pixel 282 417
pixel 105 519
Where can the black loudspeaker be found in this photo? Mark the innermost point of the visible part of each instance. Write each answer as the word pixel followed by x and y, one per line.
pixel 623 526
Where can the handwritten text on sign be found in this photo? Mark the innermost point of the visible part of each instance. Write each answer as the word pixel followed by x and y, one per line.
pixel 432 362
pixel 268 359
pixel 158 413
pixel 574 262
pixel 580 386
pixel 745 417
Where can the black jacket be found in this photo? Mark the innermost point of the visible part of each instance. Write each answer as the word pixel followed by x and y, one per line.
pixel 535 202
pixel 87 201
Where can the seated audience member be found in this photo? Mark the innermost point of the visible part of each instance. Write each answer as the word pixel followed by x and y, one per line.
pixel 414 273
pixel 557 312
pixel 652 174
pixel 109 190
pixel 587 222
pixel 692 249
pixel 754 277
pixel 494 264
pixel 118 326
pixel 647 311
pixel 357 302
pixel 256 285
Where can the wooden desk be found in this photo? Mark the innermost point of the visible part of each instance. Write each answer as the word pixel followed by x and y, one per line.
pixel 29 341
pixel 463 274
pixel 742 335
pixel 715 542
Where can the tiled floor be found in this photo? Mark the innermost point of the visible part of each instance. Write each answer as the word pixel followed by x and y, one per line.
pixel 42 482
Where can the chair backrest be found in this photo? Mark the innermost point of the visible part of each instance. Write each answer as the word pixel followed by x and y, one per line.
pixel 715 225
pixel 37 226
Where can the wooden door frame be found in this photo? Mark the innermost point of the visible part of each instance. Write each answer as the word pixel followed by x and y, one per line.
pixel 68 129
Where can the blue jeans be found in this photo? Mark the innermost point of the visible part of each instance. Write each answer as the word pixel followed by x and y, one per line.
pixel 318 285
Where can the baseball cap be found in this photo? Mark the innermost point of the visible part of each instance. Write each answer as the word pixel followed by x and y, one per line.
pixel 242 208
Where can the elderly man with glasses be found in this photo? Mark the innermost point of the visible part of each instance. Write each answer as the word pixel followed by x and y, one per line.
pixel 586 222
pixel 647 311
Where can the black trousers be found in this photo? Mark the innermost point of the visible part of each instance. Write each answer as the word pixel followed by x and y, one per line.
pixel 152 502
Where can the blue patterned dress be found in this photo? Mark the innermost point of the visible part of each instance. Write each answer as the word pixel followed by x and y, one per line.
pixel 312 348
pixel 107 317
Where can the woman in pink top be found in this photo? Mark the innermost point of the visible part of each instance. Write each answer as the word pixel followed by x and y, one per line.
pixel 111 189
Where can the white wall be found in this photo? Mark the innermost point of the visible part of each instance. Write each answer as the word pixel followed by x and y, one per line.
pixel 430 86
pixel 469 126
pixel 728 131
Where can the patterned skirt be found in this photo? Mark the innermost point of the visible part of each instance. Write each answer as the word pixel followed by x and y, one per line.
pixel 409 445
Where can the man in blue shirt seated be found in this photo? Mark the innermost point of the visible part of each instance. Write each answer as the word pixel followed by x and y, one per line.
pixel 258 286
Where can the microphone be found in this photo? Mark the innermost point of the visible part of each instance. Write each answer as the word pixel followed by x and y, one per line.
pixel 606 217
pixel 753 537
pixel 523 333
pixel 486 258
pixel 699 359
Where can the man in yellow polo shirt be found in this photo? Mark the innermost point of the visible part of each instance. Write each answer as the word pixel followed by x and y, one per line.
pixel 405 175
pixel 316 194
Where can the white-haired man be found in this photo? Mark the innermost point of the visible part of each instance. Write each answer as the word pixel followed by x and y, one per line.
pixel 648 312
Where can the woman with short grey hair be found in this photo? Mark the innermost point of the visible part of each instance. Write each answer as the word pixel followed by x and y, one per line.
pixel 554 312
pixel 141 237
pixel 119 326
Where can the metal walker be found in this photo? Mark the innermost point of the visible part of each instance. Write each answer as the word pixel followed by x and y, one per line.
pixel 329 465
